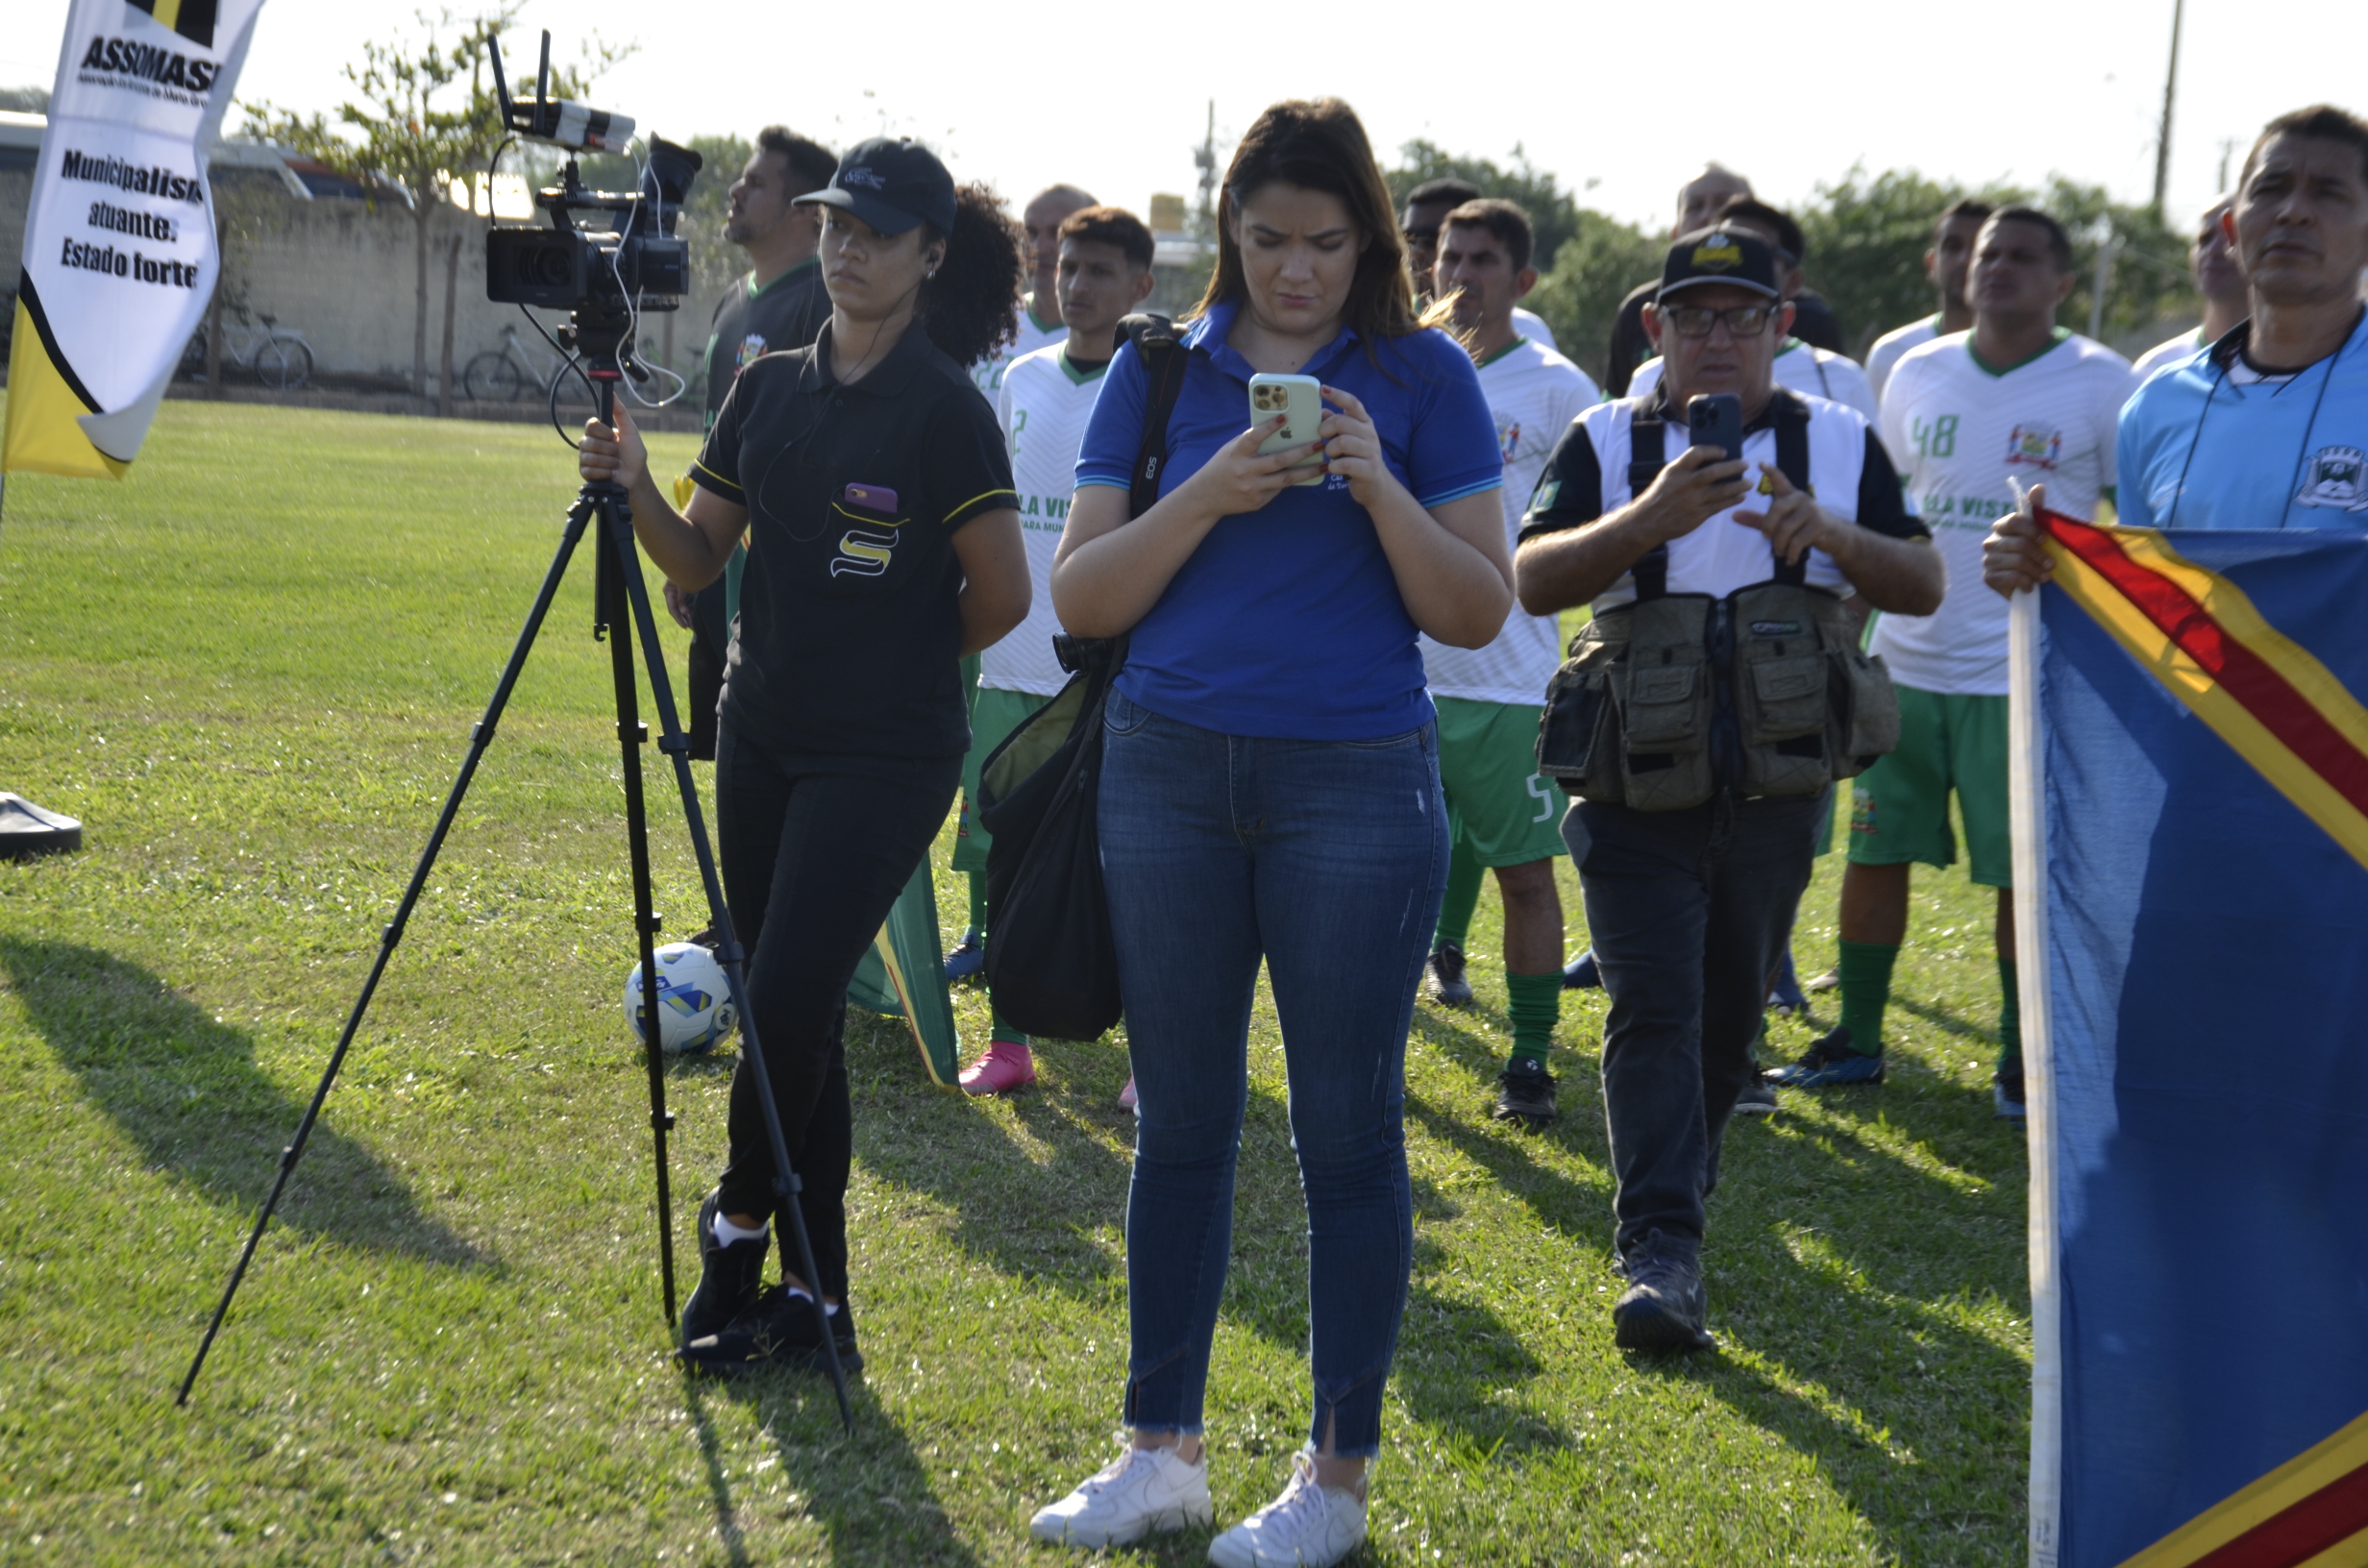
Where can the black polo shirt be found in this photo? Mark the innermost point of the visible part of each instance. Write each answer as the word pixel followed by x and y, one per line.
pixel 849 635
pixel 752 322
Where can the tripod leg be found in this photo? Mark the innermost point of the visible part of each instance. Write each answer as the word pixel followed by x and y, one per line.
pixel 481 735
pixel 618 520
pixel 631 736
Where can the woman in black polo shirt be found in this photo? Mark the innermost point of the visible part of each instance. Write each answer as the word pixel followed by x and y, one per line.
pixel 883 546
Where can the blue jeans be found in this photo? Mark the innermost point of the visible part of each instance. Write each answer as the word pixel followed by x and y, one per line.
pixel 1327 859
pixel 1688 912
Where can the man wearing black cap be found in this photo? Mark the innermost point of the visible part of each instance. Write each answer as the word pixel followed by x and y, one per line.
pixel 1689 906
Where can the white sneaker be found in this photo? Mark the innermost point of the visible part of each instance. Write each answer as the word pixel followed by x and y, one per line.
pixel 1140 1491
pixel 1308 1527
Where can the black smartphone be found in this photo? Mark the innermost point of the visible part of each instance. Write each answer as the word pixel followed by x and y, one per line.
pixel 1716 420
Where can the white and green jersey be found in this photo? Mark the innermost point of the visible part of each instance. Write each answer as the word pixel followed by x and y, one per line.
pixel 2176 351
pixel 1891 346
pixel 1535 394
pixel 1963 436
pixel 988 374
pixel 1817 373
pixel 1043 406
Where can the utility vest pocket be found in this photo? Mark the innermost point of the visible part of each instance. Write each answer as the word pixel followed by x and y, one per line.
pixel 1579 733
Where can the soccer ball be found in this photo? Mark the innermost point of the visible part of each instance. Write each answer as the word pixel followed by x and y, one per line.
pixel 694 1003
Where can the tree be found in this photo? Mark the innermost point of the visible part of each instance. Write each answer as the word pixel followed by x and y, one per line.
pixel 1578 296
pixel 415 129
pixel 1553 212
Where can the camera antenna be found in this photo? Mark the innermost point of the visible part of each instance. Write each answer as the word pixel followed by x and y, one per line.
pixel 501 86
pixel 542 91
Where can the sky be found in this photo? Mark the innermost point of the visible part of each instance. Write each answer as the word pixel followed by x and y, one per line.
pixel 1623 103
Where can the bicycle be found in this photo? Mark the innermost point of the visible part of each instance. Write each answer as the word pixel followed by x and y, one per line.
pixel 281 360
pixel 503 374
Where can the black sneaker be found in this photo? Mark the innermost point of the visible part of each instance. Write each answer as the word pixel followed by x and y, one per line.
pixel 1445 976
pixel 1662 1311
pixel 2006 1094
pixel 777 1331
pixel 1757 1098
pixel 730 1277
pixel 1524 1093
pixel 1830 1060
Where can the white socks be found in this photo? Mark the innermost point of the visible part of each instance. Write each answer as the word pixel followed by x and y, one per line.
pixel 729 1234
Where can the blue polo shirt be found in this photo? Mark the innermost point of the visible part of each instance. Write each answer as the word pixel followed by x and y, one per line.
pixel 1287 623
pixel 2206 445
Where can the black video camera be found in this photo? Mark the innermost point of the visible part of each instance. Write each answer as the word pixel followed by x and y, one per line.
pixel 608 256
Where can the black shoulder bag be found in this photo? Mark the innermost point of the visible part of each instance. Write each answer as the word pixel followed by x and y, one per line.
pixel 1052 962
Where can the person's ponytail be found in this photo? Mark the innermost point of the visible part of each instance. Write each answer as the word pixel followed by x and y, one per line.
pixel 970 305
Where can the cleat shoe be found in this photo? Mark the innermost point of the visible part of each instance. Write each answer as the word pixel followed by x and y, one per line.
pixel 779 1331
pixel 1785 996
pixel 1445 976
pixel 1830 980
pixel 1829 1061
pixel 968 961
pixel 1524 1093
pixel 1756 1098
pixel 1308 1527
pixel 1580 973
pixel 2006 1094
pixel 1143 1489
pixel 1006 1064
pixel 1662 1311
pixel 730 1277
pixel 1128 1100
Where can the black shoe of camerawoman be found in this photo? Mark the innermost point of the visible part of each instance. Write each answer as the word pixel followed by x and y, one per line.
pixel 730 1277
pixel 777 1331
pixel 1524 1093
pixel 1663 1310
pixel 1444 975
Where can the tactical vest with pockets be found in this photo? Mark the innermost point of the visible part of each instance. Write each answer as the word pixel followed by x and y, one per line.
pixel 1675 697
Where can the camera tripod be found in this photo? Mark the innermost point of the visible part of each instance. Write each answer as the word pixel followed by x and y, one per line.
pixel 621 607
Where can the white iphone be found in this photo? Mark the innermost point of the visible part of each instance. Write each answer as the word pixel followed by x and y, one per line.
pixel 1300 399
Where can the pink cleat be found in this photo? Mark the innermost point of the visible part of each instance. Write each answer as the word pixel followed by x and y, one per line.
pixel 1005 1066
pixel 1126 1097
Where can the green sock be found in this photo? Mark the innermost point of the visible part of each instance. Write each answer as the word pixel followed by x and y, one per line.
pixel 2009 1022
pixel 1002 1030
pixel 1535 1002
pixel 1465 874
pixel 1866 991
pixel 978 902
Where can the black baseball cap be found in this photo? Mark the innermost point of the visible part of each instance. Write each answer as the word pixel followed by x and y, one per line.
pixel 1719 254
pixel 891 184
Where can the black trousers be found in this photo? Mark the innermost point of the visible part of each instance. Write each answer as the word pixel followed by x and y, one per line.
pixel 1688 911
pixel 813 851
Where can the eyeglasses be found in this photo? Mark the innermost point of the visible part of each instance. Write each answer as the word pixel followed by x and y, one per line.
pixel 1743 320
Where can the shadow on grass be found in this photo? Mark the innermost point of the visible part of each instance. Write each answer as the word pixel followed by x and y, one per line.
pixel 187 1091
pixel 868 1492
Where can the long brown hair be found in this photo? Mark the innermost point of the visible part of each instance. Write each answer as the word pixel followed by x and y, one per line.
pixel 1320 145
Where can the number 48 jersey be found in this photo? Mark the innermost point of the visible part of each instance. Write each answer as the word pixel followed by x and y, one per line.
pixel 1963 436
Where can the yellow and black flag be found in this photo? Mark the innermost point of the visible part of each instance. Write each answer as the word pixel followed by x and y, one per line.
pixel 119 258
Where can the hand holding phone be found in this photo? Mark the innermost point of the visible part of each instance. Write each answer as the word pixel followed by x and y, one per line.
pixel 1300 398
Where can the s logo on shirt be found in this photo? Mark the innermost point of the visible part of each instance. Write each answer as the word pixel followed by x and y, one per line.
pixel 863 553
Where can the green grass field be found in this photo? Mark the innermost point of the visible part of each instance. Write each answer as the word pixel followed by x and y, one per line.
pixel 252 668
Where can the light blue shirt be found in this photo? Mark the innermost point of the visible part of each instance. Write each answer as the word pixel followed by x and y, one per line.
pixel 2201 447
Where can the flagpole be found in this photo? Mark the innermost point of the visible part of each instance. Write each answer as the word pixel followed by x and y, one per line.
pixel 2026 801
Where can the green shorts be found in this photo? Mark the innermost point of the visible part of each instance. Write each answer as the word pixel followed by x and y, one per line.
pixel 1900 807
pixel 1497 801
pixel 994 714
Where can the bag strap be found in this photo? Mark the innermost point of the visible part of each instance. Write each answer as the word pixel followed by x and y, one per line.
pixel 1647 445
pixel 1164 359
pixel 1791 422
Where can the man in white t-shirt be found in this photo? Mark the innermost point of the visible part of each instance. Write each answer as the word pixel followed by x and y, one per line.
pixel 1039 312
pixel 1800 367
pixel 1102 273
pixel 1427 206
pixel 1969 418
pixel 1945 263
pixel 2212 258
pixel 1503 814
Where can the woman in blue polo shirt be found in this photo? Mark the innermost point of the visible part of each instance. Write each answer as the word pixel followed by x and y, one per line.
pixel 1270 791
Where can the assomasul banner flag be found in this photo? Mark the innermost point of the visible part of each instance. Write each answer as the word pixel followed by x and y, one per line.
pixel 119 240
pixel 2191 876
